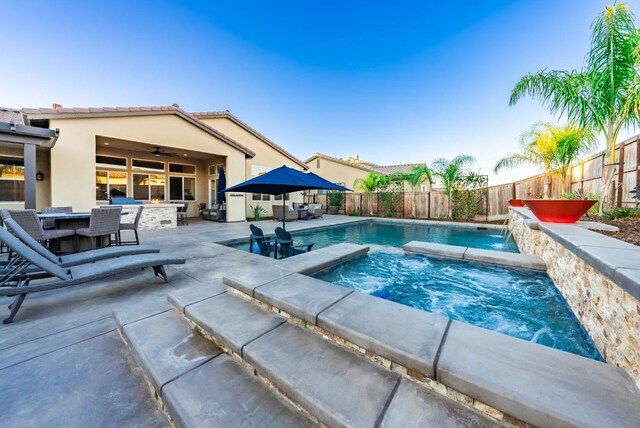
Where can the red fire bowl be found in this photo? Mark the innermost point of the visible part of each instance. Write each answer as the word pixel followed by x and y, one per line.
pixel 559 210
pixel 516 202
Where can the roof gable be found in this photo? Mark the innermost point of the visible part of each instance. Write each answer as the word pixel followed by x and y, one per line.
pixel 227 115
pixel 93 112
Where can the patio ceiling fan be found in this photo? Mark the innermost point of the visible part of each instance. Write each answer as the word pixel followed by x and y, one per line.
pixel 160 152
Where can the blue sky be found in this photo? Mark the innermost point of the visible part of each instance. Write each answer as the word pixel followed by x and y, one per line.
pixel 393 82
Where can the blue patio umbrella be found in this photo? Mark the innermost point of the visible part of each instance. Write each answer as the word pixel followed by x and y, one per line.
pixel 283 180
pixel 220 186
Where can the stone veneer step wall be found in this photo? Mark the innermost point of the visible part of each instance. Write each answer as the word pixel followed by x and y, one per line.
pixel 599 277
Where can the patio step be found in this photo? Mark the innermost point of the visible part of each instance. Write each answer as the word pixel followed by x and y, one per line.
pixel 198 384
pixel 493 370
pixel 335 386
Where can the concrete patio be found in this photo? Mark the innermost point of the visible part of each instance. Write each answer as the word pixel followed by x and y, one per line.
pixel 237 338
pixel 62 359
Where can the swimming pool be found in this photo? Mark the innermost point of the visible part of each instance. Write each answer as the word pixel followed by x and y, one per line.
pixel 523 304
pixel 398 234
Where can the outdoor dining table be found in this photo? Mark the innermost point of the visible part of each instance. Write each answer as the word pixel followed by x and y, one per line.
pixel 72 221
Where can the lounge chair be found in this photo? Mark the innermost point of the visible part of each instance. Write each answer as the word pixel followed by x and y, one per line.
pixel 281 213
pixel 77 258
pixel 65 277
pixel 257 237
pixel 287 248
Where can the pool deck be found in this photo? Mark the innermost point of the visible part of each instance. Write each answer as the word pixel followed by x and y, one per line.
pixel 64 362
pixel 62 359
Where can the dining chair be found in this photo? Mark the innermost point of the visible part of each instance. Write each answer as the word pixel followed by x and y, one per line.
pixel 103 223
pixel 29 221
pixel 51 224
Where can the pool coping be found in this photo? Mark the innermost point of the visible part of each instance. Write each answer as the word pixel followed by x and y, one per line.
pixel 617 260
pixel 477 255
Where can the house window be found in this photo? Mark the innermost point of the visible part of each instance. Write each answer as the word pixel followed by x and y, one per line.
pixel 279 197
pixel 110 183
pixel 318 163
pixel 182 188
pixel 147 187
pixel 182 169
pixel 260 197
pixel 111 162
pixel 11 179
pixel 147 165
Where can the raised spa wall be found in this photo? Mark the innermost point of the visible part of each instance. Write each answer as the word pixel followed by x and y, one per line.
pixel 599 277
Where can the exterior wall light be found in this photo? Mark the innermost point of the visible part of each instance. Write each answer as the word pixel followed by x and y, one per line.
pixel 39 176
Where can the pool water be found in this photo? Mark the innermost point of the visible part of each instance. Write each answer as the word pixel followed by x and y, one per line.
pixel 398 234
pixel 519 303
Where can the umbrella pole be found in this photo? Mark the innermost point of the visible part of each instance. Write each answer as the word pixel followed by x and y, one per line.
pixel 284 213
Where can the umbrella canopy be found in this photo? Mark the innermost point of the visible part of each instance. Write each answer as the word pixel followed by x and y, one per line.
pixel 220 186
pixel 284 180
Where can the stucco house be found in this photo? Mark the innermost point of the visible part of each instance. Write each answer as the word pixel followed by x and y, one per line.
pixel 346 171
pixel 149 153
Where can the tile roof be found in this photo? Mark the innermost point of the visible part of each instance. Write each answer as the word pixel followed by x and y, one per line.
pixel 368 166
pixel 340 161
pixel 82 112
pixel 11 115
pixel 227 115
pixel 394 169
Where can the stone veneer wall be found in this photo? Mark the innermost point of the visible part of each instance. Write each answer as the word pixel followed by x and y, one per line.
pixel 154 216
pixel 610 315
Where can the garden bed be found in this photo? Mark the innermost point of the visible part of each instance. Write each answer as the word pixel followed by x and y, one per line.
pixel 629 229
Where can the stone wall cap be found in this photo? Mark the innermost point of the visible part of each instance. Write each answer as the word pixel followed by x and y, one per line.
pixel 534 383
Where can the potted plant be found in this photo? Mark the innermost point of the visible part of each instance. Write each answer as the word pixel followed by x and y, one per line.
pixel 559 210
pixel 335 201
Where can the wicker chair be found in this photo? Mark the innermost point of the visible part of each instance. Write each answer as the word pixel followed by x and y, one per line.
pixel 131 226
pixel 103 222
pixel 29 221
pixel 51 224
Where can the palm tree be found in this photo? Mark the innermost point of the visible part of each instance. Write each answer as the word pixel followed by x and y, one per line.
pixel 604 95
pixel 369 184
pixel 551 149
pixel 418 175
pixel 452 173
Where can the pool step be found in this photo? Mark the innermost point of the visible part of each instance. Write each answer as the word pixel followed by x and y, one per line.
pixel 197 383
pixel 335 386
pixel 514 260
pixel 493 370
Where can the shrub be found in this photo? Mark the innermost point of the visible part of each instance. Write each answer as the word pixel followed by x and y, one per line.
pixel 622 212
pixel 356 213
pixel 335 198
pixel 258 211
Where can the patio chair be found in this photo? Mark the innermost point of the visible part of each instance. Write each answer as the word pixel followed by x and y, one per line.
pixel 69 260
pixel 287 248
pixel 29 221
pixel 211 213
pixel 131 226
pixel 265 246
pixel 103 222
pixel 51 224
pixel 281 213
pixel 182 214
pixel 65 277
pixel 315 210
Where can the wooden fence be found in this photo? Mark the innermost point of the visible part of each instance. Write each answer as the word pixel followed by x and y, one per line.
pixel 584 176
